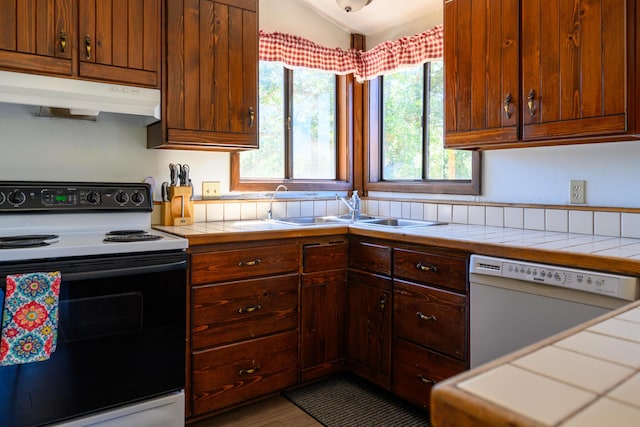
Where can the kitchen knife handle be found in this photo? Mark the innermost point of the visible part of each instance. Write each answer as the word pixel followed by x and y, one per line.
pixel 87 46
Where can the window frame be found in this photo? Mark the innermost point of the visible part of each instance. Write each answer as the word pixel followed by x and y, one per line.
pixel 344 151
pixel 373 155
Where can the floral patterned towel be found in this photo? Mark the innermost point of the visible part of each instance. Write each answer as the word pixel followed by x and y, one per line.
pixel 30 318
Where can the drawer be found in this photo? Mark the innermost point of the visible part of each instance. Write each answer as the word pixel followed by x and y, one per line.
pixel 243 263
pixel 431 317
pixel 370 257
pixel 230 312
pixel 239 372
pixel 416 370
pixel 439 270
pixel 326 256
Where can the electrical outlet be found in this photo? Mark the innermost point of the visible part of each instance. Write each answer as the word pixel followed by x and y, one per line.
pixel 210 189
pixel 577 192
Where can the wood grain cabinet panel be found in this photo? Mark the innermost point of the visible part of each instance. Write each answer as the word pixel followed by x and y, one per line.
pixel 221 266
pixel 525 73
pixel 425 267
pixel 369 306
pixel 210 89
pixel 120 41
pixel 37 36
pixel 416 370
pixel 368 256
pixel 430 317
pixel 232 374
pixel 229 312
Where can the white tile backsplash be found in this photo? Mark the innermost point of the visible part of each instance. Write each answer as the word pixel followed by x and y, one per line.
pixel 606 223
pixel 557 220
pixel 513 217
pixel 581 222
pixel 495 216
pixel 598 222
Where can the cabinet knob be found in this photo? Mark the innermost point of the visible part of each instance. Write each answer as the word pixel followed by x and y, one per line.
pixel 249 371
pixel 63 41
pixel 424 317
pixel 253 263
pixel 530 99
pixel 507 101
pixel 423 267
pixel 250 309
pixel 252 117
pixel 426 380
pixel 87 46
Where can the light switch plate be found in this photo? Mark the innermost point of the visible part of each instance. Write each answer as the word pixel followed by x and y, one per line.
pixel 210 189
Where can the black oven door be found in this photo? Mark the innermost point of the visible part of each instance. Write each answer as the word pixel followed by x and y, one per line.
pixel 121 338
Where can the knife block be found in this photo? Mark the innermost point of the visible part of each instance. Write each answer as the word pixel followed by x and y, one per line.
pixel 179 209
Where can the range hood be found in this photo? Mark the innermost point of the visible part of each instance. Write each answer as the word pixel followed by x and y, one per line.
pixel 79 96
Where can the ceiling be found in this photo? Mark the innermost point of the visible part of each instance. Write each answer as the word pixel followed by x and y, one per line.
pixel 378 16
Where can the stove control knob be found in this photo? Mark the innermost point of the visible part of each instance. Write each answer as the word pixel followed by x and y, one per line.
pixel 93 198
pixel 137 198
pixel 17 198
pixel 122 197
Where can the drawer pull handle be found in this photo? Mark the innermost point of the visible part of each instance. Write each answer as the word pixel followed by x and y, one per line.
pixel 423 317
pixel 249 309
pixel 422 267
pixel 252 117
pixel 87 46
pixel 63 41
pixel 507 101
pixel 249 263
pixel 426 380
pixel 249 371
pixel 382 302
pixel 530 99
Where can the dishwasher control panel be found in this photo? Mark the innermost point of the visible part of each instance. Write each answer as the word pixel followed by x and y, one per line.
pixel 624 287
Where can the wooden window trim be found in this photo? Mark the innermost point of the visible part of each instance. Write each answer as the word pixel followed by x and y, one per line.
pixel 372 154
pixel 344 147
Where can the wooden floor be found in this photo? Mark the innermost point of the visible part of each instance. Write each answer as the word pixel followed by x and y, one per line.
pixel 276 411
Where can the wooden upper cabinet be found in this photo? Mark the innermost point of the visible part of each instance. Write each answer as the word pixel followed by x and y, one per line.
pixel 481 60
pixel 573 68
pixel 572 63
pixel 37 36
pixel 119 40
pixel 211 87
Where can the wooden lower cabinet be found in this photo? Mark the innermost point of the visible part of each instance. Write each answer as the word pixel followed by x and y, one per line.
pixel 416 370
pixel 369 308
pixel 232 374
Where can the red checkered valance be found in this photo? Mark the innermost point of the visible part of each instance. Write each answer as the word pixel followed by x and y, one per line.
pixel 365 65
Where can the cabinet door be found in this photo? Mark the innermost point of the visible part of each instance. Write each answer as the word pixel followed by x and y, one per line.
pixel 573 68
pixel 323 298
pixel 369 308
pixel 212 75
pixel 37 35
pixel 119 41
pixel 481 72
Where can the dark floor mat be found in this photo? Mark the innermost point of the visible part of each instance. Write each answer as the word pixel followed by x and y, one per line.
pixel 348 401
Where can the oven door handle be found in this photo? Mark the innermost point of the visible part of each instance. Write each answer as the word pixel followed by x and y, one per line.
pixel 127 271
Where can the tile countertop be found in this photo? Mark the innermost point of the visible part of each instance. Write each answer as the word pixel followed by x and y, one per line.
pixel 604 253
pixel 588 376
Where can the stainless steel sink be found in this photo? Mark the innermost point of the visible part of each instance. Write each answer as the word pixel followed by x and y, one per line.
pixel 399 223
pixel 319 220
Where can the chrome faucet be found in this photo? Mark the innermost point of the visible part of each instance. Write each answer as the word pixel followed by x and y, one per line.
pixel 352 204
pixel 270 211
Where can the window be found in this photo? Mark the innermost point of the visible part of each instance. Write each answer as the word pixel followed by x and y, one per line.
pixel 299 131
pixel 407 152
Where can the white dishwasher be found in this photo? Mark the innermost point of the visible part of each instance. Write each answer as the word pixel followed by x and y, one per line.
pixel 516 303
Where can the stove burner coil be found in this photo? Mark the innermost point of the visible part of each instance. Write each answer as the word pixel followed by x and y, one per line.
pixel 27 241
